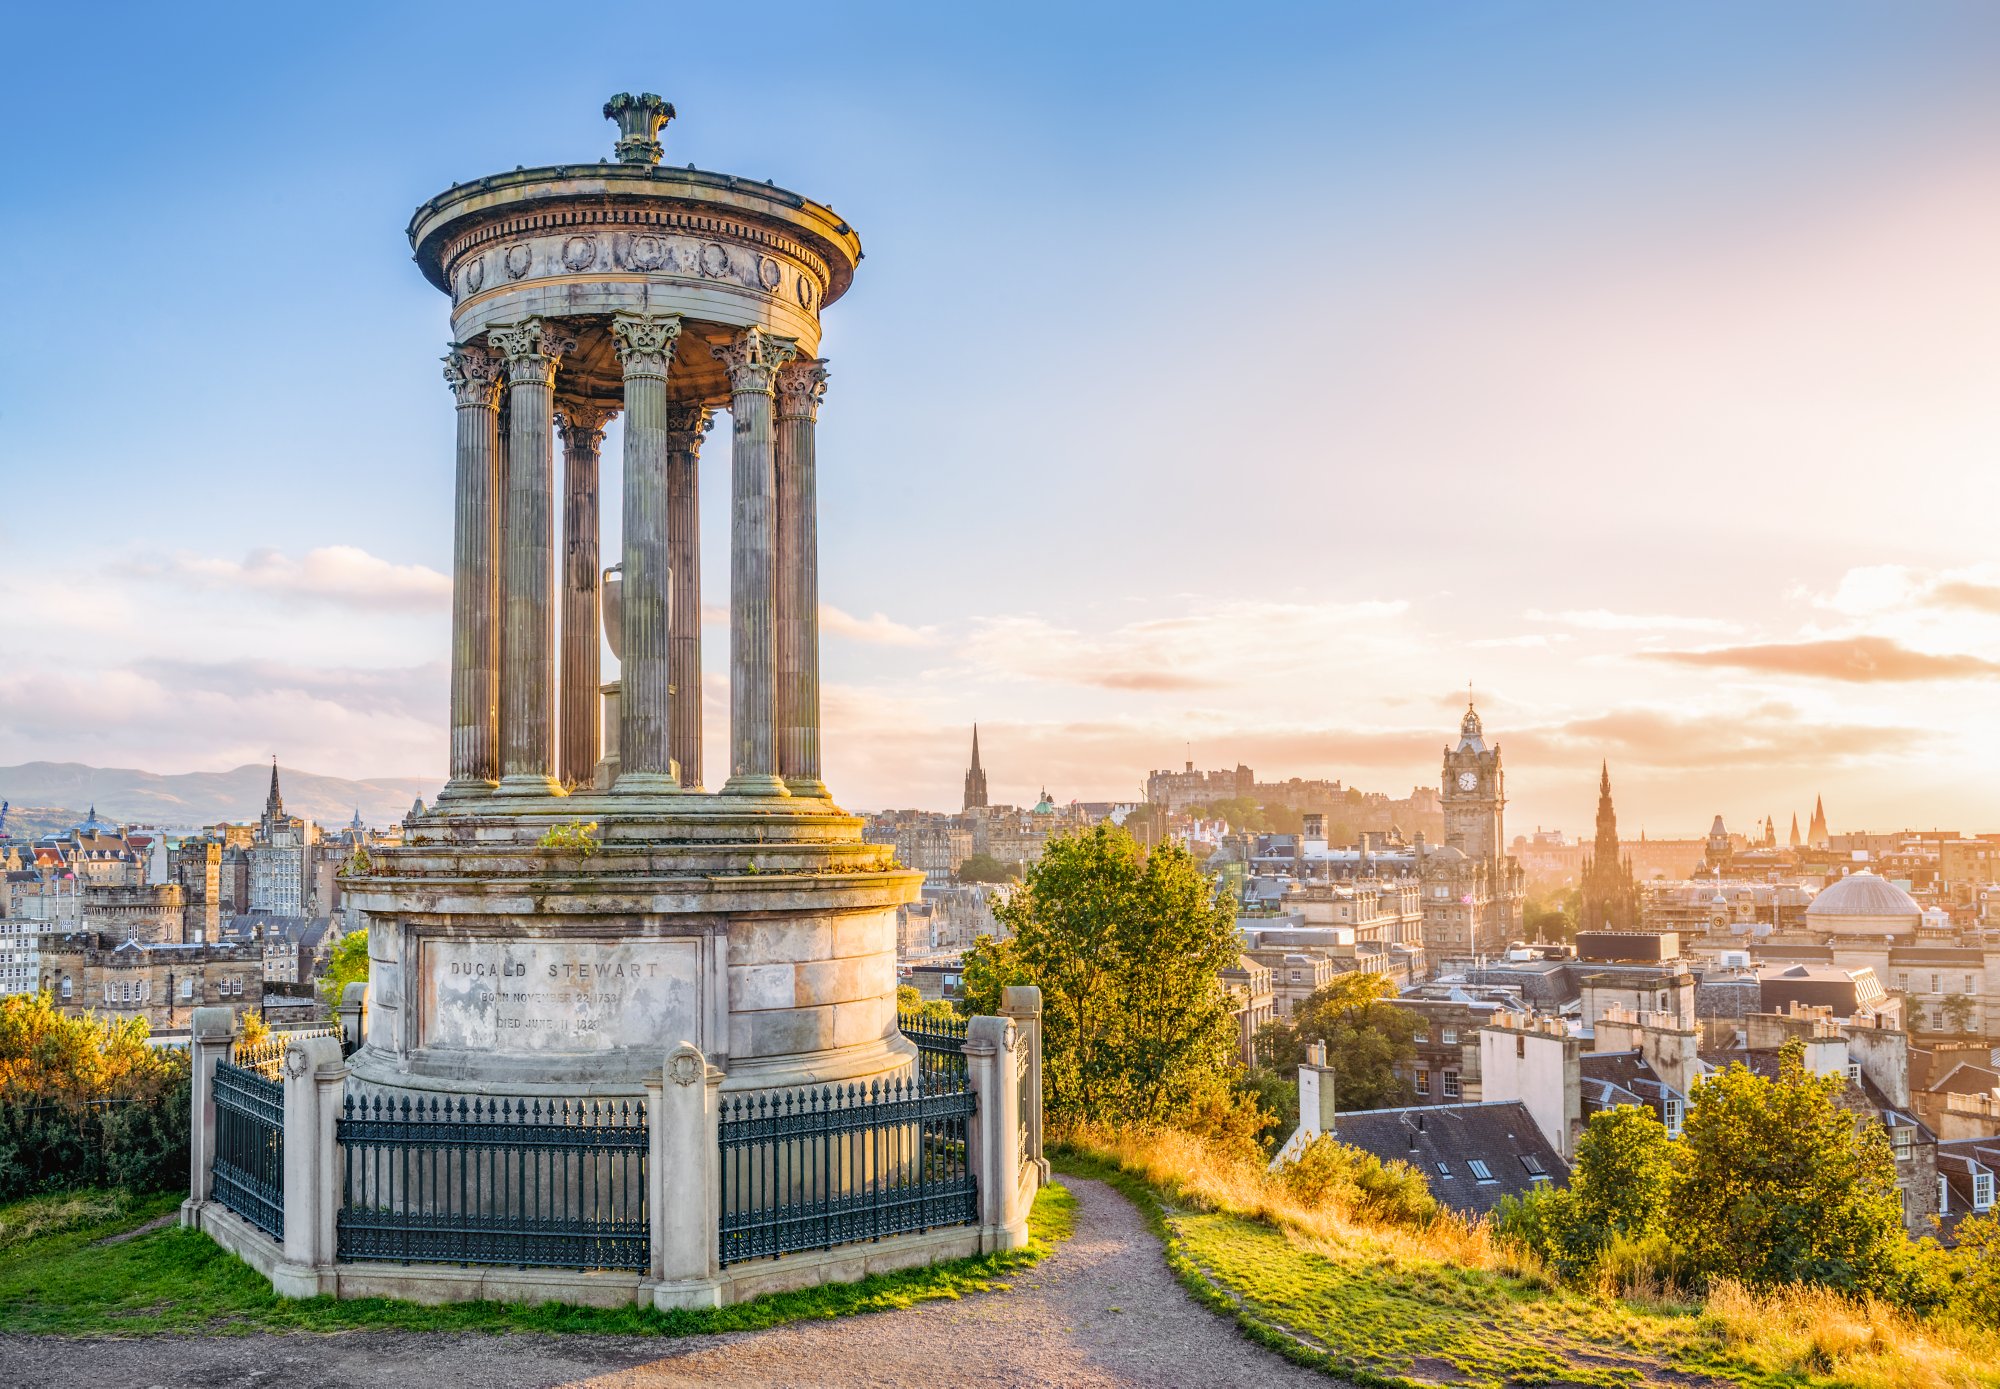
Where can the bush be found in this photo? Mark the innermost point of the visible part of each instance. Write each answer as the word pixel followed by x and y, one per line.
pixel 87 1103
pixel 1329 1172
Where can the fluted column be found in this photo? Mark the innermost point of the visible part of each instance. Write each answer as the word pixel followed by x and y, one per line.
pixel 645 350
pixel 753 360
pixel 686 426
pixel 533 350
pixel 474 377
pixel 581 736
pixel 801 386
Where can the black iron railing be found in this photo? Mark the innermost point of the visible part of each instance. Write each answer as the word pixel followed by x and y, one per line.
pixel 940 1049
pixel 812 1169
pixel 266 1056
pixel 248 1174
pixel 531 1183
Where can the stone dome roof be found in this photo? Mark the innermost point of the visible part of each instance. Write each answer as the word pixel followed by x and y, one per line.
pixel 1864 894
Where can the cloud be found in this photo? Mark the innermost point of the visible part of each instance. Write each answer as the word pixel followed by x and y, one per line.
pixel 877 630
pixel 1772 735
pixel 1857 659
pixel 1603 620
pixel 1875 589
pixel 1214 645
pixel 343 575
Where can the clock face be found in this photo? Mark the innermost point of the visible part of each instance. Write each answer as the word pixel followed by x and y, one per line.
pixel 1468 781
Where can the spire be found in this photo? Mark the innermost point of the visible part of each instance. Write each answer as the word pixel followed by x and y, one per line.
pixel 975 777
pixel 1816 834
pixel 1607 819
pixel 1795 829
pixel 274 804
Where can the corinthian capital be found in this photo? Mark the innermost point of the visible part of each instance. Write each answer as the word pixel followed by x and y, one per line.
pixel 753 358
pixel 473 374
pixel 645 342
pixel 582 425
pixel 801 386
pixel 686 424
pixel 532 348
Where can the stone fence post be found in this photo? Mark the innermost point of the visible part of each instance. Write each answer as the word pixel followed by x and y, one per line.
pixel 213 1033
pixel 684 1180
pixel 351 1011
pixel 315 1081
pixel 994 1139
pixel 1023 1003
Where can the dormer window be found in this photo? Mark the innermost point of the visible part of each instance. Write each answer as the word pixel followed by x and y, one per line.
pixel 1903 1140
pixel 1982 1191
pixel 1673 1116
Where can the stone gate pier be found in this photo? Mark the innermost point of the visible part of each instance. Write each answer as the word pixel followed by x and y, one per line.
pixel 509 947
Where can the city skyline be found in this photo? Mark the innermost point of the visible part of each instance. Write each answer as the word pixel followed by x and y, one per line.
pixel 1677 460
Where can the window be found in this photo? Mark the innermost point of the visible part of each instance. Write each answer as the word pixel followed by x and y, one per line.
pixel 1937 1018
pixel 1423 1037
pixel 1673 1108
pixel 1480 1170
pixel 1971 984
pixel 187 988
pixel 1854 1072
pixel 1423 1081
pixel 1663 1003
pixel 1451 1036
pixel 1520 1046
pixel 1944 1197
pixel 1934 984
pixel 1982 1191
pixel 1451 1085
pixel 1532 1163
pixel 1444 1169
pixel 1903 1140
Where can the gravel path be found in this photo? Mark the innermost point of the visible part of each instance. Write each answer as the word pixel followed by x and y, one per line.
pixel 1102 1312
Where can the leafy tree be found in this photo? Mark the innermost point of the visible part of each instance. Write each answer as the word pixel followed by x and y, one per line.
pixel 984 868
pixel 1128 949
pixel 1551 914
pixel 1617 1191
pixel 348 964
pixel 1367 1039
pixel 911 1003
pixel 1330 1172
pixel 1773 1182
pixel 1958 1012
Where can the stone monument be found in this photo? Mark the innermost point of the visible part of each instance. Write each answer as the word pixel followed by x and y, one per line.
pixel 577 901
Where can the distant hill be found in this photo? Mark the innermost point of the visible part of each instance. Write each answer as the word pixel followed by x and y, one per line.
pixel 130 796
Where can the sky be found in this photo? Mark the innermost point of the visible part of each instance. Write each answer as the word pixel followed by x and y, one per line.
pixel 1237 383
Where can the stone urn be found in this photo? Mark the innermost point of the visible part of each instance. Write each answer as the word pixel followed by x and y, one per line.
pixel 611 603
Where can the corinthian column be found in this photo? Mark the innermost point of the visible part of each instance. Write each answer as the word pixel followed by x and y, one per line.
pixel 532 350
pixel 753 359
pixel 800 388
pixel 474 377
pixel 645 349
pixel 581 736
pixel 686 426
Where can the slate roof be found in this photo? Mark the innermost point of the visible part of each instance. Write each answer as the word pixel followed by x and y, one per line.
pixel 1444 1141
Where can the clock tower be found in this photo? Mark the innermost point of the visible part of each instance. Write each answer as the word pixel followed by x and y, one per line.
pixel 1474 793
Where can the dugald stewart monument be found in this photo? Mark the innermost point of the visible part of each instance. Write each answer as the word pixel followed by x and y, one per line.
pixel 745 915
pixel 625 1034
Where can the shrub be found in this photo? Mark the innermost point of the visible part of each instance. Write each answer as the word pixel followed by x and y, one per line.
pixel 1329 1172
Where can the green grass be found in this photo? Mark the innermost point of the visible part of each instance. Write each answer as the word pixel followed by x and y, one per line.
pixel 60 1280
pixel 1381 1320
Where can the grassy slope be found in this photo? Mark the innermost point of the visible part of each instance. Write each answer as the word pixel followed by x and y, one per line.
pixel 58 1279
pixel 1378 1317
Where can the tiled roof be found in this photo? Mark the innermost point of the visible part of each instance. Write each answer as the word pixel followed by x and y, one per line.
pixel 1444 1141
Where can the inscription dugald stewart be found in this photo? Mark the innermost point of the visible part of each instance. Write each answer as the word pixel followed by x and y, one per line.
pixel 559 996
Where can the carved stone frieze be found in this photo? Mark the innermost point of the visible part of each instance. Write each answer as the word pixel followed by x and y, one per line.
pixel 517 260
pixel 753 358
pixel 579 253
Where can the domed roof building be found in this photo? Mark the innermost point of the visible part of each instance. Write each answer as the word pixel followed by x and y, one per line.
pixel 1864 904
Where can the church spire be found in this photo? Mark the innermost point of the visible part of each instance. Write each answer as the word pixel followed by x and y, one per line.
pixel 1795 829
pixel 274 804
pixel 1609 894
pixel 975 777
pixel 1816 834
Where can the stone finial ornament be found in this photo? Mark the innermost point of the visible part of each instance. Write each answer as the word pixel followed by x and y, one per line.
pixel 639 120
